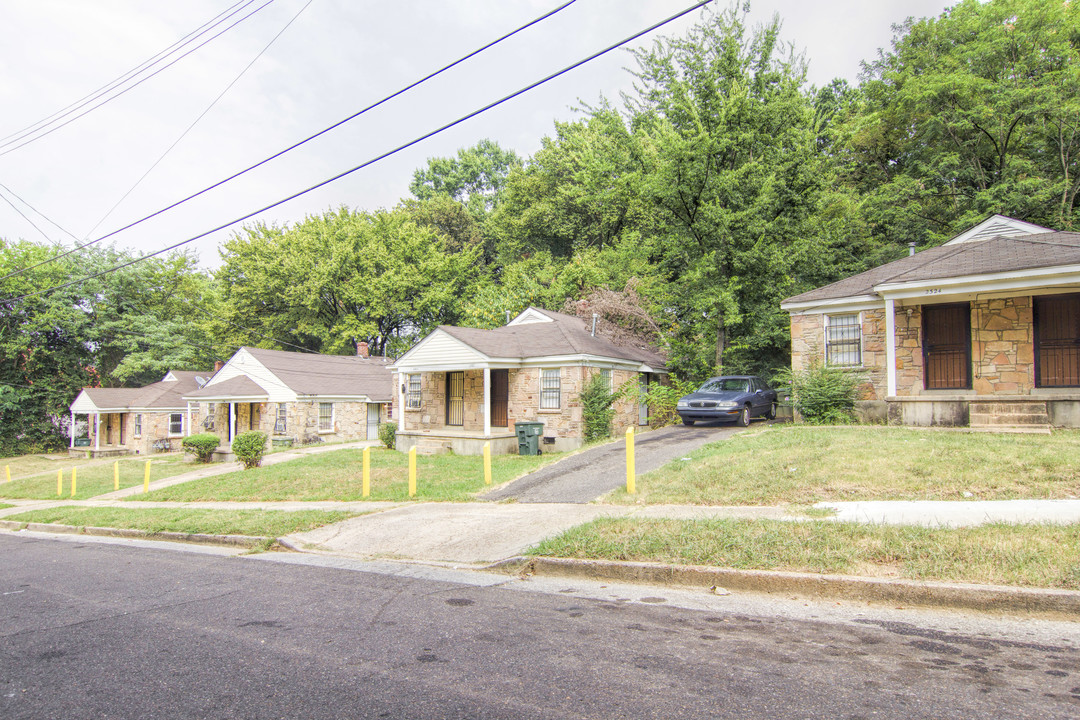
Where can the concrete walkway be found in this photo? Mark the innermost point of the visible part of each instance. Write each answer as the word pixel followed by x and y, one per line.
pixel 956 513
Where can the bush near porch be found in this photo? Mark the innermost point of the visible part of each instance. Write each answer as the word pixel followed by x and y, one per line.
pixel 805 465
pixel 337 475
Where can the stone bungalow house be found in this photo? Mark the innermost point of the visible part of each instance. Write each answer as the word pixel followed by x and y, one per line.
pixel 461 387
pixel 983 331
pixel 295 397
pixel 123 421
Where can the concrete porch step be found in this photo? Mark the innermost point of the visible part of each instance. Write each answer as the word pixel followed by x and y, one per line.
pixel 1023 429
pixel 979 419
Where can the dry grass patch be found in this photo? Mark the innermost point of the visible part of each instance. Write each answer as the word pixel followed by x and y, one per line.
pixel 999 554
pixel 805 465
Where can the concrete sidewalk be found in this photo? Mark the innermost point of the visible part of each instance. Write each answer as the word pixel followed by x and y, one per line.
pixel 956 513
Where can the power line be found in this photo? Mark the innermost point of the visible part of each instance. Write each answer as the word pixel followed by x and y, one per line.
pixel 35 210
pixel 355 115
pixel 201 115
pixel 374 160
pixel 135 70
pixel 109 99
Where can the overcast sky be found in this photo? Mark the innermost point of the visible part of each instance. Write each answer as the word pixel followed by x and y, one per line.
pixel 336 57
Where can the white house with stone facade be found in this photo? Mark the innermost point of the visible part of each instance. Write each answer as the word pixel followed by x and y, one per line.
pixel 296 397
pixel 461 387
pixel 983 331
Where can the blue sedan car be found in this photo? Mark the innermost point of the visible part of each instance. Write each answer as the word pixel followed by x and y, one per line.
pixel 729 398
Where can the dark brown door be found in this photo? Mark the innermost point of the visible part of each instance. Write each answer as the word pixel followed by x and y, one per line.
pixel 1057 341
pixel 500 397
pixel 455 398
pixel 947 346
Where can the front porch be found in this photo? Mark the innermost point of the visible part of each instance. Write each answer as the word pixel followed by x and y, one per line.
pixel 458 442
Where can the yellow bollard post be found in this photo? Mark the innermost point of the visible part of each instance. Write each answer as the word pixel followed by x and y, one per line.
pixel 73 481
pixel 59 483
pixel 412 472
pixel 630 475
pixel 367 472
pixel 116 475
pixel 487 463
pixel 146 478
pixel 7 472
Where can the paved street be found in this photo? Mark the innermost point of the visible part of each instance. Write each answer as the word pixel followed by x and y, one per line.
pixel 120 629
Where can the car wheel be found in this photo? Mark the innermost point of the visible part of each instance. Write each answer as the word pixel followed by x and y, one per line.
pixel 771 413
pixel 744 417
pixel 687 421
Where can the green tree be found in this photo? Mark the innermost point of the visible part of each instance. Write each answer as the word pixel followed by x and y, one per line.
pixel 474 178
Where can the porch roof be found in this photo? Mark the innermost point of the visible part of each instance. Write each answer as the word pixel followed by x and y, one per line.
pixel 237 389
pixel 162 396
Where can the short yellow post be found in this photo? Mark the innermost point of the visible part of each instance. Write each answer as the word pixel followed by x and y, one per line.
pixel 116 475
pixel 73 481
pixel 487 463
pixel 367 472
pixel 7 472
pixel 146 478
pixel 59 483
pixel 630 475
pixel 412 472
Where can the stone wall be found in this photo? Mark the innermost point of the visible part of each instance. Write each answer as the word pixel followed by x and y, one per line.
pixel 808 345
pixel 1003 346
pixel 909 355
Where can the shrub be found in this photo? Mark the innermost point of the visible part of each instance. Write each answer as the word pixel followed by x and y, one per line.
pixel 824 395
pixel 249 448
pixel 597 409
pixel 662 400
pixel 202 446
pixel 388 435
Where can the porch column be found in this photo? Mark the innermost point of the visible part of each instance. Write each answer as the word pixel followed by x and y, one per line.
pixel 487 402
pixel 890 345
pixel 97 431
pixel 73 429
pixel 187 430
pixel 232 421
pixel 401 401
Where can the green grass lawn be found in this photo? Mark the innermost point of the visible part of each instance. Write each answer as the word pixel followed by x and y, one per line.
pixel 95 478
pixel 5 506
pixel 1025 555
pixel 337 475
pixel 804 465
pixel 29 465
pixel 264 523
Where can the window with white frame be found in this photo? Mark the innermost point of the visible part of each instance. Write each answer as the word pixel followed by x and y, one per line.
pixel 176 423
pixel 137 430
pixel 412 393
pixel 326 417
pixel 550 389
pixel 843 340
pixel 281 423
pixel 210 421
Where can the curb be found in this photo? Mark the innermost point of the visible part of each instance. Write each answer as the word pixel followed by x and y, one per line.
pixel 983 598
pixel 245 541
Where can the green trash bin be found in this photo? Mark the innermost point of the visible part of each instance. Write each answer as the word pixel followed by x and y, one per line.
pixel 528 435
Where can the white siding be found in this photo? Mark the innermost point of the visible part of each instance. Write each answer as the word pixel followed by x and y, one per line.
pixel 530 315
pixel 83 404
pixel 439 349
pixel 244 364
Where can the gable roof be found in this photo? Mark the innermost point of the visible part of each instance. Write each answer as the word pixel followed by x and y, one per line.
pixel 167 394
pixel 538 333
pixel 240 386
pixel 998 226
pixel 986 257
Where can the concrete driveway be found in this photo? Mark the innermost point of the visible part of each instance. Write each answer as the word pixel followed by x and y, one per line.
pixel 587 475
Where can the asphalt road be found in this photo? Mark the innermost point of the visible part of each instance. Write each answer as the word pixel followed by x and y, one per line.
pixel 587 475
pixel 117 630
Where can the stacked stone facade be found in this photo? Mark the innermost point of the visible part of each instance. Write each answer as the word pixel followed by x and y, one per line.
pixel 301 420
pixel 1003 346
pixel 909 354
pixel 808 345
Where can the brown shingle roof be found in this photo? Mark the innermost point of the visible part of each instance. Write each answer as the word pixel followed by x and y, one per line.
pixel 329 375
pixel 162 394
pixel 997 255
pixel 567 335
pixel 240 386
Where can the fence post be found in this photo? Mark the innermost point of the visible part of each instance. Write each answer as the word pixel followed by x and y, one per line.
pixel 366 488
pixel 73 481
pixel 146 478
pixel 7 472
pixel 59 483
pixel 116 475
pixel 631 487
pixel 412 471
pixel 487 463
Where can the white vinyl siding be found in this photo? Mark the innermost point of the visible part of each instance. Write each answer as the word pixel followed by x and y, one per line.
pixel 843 340
pixel 326 417
pixel 550 389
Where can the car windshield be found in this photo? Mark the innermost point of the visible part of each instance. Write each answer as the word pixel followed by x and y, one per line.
pixel 726 385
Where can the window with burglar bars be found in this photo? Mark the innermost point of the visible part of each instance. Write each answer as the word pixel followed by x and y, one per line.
pixel 176 423
pixel 281 423
pixel 550 389
pixel 412 394
pixel 455 398
pixel 843 340
pixel 210 419
pixel 1057 341
pixel 326 417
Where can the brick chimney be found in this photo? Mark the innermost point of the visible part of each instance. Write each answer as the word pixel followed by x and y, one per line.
pixel 361 349
pixel 218 364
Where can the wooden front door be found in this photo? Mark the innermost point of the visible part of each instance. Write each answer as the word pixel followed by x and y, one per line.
pixel 1057 341
pixel 500 397
pixel 455 398
pixel 947 346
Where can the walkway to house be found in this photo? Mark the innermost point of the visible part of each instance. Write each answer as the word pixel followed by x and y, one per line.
pixel 586 475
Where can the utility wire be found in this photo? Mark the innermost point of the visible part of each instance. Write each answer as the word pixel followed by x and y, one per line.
pixel 38 212
pixel 26 138
pixel 200 117
pixel 374 160
pixel 355 115
pixel 133 71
